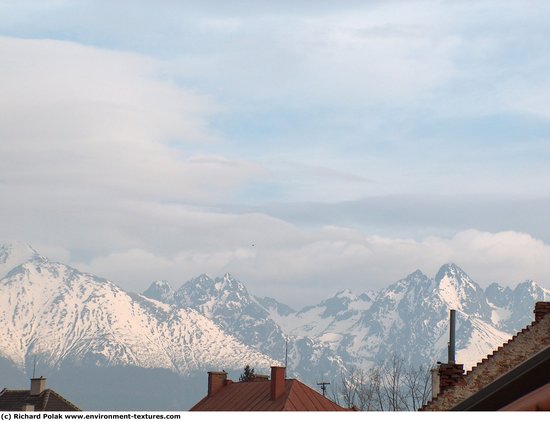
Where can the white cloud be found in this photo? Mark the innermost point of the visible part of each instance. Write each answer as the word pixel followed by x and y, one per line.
pixel 106 162
pixel 351 58
pixel 76 118
pixel 302 266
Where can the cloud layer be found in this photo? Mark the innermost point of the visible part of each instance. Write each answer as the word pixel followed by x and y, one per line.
pixel 279 260
pixel 302 149
pixel 91 123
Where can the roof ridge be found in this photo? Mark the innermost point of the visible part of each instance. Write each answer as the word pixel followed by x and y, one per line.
pixel 46 398
pixel 288 392
pixel 59 396
pixel 483 373
pixel 7 390
pixel 499 350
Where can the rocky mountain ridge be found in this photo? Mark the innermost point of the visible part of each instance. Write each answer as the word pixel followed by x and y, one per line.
pixel 68 318
pixel 59 314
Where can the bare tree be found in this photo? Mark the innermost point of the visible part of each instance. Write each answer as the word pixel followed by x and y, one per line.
pixel 392 377
pixel 368 394
pixel 417 382
pixel 358 388
pixel 345 390
pixel 388 387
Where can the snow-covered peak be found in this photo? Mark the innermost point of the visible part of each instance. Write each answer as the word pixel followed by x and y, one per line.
pixel 206 295
pixel 332 307
pixel 458 291
pixel 451 270
pixel 531 288
pixel 202 279
pixel 228 282
pixel 160 290
pixel 51 310
pixel 13 254
pixel 205 286
pixel 451 274
pixel 417 275
pixel 498 295
pixel 346 294
pixel 162 284
pixel 418 280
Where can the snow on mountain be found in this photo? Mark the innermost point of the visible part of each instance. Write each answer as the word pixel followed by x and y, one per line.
pixel 275 308
pixel 227 302
pixel 478 339
pixel 330 317
pixel 63 315
pixel 513 309
pixel 498 296
pixel 53 311
pixel 408 318
pixel 460 292
pixel 160 290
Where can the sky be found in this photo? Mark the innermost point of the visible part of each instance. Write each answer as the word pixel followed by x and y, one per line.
pixel 305 147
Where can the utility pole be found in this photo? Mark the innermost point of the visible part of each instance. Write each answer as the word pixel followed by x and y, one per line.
pixel 323 385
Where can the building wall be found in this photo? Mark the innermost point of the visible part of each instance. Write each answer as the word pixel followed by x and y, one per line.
pixel 521 347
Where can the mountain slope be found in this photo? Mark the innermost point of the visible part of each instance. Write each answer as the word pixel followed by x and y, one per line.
pixel 53 311
pixel 228 304
pixel 408 319
pixel 512 309
pixel 72 320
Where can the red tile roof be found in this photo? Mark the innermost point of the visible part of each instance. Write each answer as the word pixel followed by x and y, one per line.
pixel 47 401
pixel 256 396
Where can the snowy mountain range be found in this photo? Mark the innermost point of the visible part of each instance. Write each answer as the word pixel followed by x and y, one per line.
pixel 72 321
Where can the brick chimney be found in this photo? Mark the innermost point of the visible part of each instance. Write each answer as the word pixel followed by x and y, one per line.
pixel 541 310
pixel 38 385
pixel 450 374
pixel 277 382
pixel 216 381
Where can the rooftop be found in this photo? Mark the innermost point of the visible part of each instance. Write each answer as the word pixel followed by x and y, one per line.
pixel 262 394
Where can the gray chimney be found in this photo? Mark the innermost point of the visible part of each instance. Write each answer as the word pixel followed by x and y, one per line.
pixel 452 345
pixel 38 385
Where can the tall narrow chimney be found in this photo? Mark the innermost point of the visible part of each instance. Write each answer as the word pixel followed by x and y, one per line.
pixel 216 381
pixel 277 382
pixel 450 373
pixel 38 385
pixel 452 327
